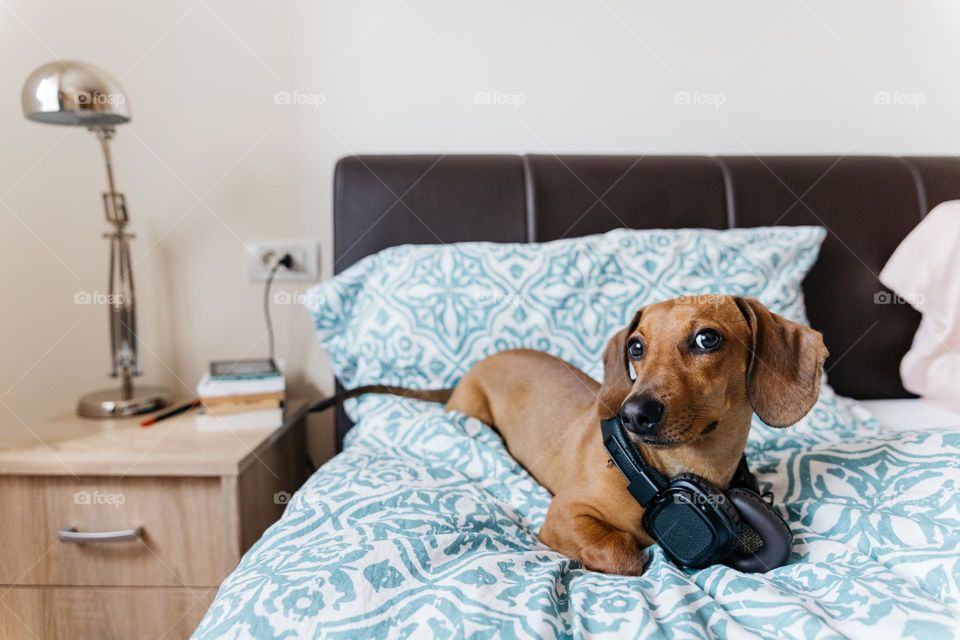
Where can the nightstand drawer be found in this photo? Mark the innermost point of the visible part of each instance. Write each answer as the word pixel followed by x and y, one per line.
pixel 184 531
pixel 102 613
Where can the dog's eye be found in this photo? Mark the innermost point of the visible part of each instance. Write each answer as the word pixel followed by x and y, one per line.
pixel 707 340
pixel 635 349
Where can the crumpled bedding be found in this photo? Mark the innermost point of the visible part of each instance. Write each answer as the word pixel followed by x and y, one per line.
pixel 425 527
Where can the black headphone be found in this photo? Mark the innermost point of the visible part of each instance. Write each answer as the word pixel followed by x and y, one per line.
pixel 697 524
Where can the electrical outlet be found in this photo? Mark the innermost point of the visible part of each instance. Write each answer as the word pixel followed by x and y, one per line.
pixel 263 254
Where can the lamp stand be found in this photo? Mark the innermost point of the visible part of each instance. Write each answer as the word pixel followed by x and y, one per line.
pixel 128 399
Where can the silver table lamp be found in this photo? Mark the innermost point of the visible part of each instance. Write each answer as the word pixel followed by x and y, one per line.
pixel 75 93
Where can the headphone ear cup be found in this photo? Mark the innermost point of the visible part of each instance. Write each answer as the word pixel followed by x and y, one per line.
pixel 712 495
pixel 774 534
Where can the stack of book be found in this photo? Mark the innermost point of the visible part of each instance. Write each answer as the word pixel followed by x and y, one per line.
pixel 232 401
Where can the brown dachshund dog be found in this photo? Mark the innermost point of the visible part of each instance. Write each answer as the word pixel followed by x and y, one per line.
pixel 685 376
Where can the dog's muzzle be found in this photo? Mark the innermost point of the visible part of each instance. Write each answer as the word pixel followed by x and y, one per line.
pixel 642 414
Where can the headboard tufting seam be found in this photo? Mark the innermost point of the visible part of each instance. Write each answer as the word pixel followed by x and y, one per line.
pixel 728 192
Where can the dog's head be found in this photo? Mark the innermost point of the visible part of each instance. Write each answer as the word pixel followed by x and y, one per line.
pixel 686 368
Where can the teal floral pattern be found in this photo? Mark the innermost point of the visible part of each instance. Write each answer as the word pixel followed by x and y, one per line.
pixel 425 527
pixel 421 315
pixel 460 302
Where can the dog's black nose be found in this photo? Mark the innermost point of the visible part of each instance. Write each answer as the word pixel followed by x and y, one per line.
pixel 641 414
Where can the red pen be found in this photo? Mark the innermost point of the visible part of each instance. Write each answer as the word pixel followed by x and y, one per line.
pixel 170 413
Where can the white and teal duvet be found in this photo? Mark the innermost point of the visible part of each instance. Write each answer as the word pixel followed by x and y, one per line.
pixel 424 527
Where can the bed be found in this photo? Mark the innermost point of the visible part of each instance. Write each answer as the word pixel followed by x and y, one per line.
pixel 423 526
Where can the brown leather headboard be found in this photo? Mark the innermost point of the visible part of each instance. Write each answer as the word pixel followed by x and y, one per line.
pixel 868 204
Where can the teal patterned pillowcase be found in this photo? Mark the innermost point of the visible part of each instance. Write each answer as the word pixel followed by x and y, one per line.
pixel 421 315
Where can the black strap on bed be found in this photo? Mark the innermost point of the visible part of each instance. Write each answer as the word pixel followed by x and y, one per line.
pixel 427 395
pixel 327 403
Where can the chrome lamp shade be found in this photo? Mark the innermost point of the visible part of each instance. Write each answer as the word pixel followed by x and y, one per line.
pixel 75 93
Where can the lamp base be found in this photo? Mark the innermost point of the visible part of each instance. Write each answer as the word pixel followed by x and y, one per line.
pixel 110 403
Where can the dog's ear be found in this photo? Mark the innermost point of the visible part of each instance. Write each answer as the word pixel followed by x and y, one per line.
pixel 786 362
pixel 616 375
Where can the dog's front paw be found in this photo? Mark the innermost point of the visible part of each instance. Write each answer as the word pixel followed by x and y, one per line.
pixel 615 552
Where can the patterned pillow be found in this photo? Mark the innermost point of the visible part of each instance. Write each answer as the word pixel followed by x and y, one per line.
pixel 421 315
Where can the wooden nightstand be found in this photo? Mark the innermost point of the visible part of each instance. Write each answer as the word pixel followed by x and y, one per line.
pixel 188 502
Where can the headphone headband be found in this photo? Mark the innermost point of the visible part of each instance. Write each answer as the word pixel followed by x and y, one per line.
pixel 643 481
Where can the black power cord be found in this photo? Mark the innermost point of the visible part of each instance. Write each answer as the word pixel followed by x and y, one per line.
pixel 286 262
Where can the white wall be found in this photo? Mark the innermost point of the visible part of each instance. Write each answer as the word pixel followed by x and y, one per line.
pixel 211 160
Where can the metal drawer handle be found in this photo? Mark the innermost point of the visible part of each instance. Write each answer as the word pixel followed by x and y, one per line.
pixel 72 535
